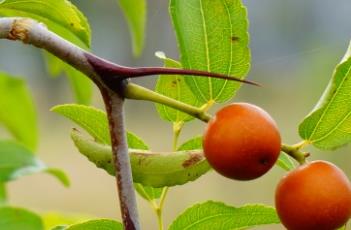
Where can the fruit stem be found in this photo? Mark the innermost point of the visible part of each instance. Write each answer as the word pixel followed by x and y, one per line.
pixel 294 152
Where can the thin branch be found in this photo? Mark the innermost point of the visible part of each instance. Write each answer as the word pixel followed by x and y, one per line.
pixel 120 156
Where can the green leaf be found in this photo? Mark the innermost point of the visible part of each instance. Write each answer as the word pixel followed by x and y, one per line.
pixel 328 126
pixel 17 110
pixel 53 64
pixel 147 192
pixel 102 224
pixel 152 169
pixel 218 216
pixel 135 142
pixel 81 85
pixel 219 45
pixel 193 143
pixel 17 161
pixel 59 174
pixel 94 121
pixel 285 162
pixel 61 16
pixel 54 219
pixel 173 86
pixel 135 13
pixel 16 219
pixel 3 194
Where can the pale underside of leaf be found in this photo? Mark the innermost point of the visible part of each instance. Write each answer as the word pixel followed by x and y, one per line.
pixel 152 169
pixel 94 121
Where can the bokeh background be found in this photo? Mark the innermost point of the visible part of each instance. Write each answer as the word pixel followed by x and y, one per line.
pixel 295 46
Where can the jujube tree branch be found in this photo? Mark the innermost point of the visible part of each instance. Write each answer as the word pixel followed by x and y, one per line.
pixel 111 80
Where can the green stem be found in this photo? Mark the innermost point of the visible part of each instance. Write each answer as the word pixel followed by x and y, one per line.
pixel 159 210
pixel 163 197
pixel 205 107
pixel 294 152
pixel 159 218
pixel 177 128
pixel 136 92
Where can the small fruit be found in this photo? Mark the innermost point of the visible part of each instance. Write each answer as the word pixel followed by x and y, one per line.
pixel 242 141
pixel 315 196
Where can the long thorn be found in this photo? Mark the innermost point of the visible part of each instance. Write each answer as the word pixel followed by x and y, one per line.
pixel 112 70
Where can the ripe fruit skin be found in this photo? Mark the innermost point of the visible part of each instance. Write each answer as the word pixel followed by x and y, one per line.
pixel 242 141
pixel 315 196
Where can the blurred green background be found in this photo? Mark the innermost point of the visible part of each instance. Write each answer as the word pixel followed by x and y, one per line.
pixel 295 46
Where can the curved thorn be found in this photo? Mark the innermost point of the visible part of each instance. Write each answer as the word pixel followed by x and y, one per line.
pixel 109 69
pixel 145 71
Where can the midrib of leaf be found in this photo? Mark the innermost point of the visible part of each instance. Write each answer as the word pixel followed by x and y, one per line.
pixel 327 108
pixel 218 215
pixel 206 219
pixel 166 112
pixel 231 49
pixel 145 193
pixel 206 45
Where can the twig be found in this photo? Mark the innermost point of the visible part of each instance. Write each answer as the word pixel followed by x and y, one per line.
pixel 120 156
